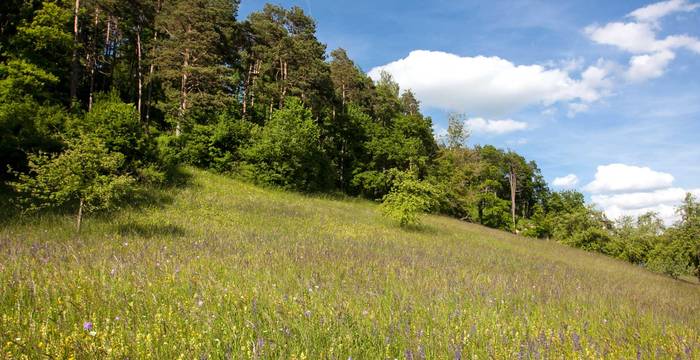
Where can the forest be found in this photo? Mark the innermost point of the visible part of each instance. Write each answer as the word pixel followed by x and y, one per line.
pixel 101 97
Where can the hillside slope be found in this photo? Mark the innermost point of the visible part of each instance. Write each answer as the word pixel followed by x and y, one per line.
pixel 223 269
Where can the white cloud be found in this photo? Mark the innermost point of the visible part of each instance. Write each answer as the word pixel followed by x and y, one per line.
pixel 664 202
pixel 626 178
pixel 653 12
pixel 666 212
pixel 625 190
pixel 484 126
pixel 567 181
pixel 490 86
pixel 644 67
pixel 640 37
pixel 521 141
pixel 640 200
pixel 575 108
pixel 633 37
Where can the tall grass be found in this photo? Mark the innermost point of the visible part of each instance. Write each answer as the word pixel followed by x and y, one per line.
pixel 223 269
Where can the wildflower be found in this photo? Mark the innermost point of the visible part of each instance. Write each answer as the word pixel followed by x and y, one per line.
pixel 87 326
pixel 92 333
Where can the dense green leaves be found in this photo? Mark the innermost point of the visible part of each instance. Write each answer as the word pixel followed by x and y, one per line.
pixel 409 199
pixel 86 176
pixel 159 83
pixel 286 151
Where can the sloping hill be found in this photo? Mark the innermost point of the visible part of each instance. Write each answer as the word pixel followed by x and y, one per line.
pixel 220 268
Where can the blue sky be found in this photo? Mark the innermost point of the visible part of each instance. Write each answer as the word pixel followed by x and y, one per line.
pixel 577 86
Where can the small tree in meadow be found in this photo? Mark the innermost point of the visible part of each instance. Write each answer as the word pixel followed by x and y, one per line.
pixel 408 199
pixel 85 175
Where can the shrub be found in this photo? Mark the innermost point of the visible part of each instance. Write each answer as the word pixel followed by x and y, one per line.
pixel 408 199
pixel 286 152
pixel 86 174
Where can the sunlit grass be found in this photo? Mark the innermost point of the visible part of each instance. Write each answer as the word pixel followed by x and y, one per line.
pixel 223 269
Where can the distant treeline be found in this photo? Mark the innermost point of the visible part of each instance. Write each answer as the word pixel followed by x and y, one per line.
pixel 98 94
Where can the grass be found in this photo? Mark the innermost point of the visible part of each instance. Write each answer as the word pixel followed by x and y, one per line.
pixel 223 269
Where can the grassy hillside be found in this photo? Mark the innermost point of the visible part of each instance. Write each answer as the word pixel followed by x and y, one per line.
pixel 223 269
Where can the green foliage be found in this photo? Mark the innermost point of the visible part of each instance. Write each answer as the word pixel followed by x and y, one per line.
pixel 86 174
pixel 222 268
pixel 493 211
pixel 286 152
pixel 28 123
pixel 408 199
pixel 258 99
pixel 668 258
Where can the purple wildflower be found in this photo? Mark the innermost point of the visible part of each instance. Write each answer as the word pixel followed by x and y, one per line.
pixel 87 326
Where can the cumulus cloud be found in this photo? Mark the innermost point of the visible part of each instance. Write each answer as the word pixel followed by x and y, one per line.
pixel 666 212
pixel 625 190
pixel 490 86
pixel 644 67
pixel 664 202
pixel 633 37
pixel 484 126
pixel 640 200
pixel 653 12
pixel 626 178
pixel 639 37
pixel 567 181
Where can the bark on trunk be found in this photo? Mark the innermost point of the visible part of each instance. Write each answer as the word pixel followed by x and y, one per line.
pixel 139 75
pixel 151 71
pixel 80 215
pixel 183 92
pixel 74 59
pixel 247 90
pixel 93 60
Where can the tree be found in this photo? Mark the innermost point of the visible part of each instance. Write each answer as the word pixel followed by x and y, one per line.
pixel 286 152
pixel 351 85
pixel 678 252
pixel 409 198
pixel 409 103
pixel 191 56
pixel 86 175
pixel 386 102
pixel 457 133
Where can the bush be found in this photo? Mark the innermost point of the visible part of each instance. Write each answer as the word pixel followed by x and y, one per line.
pixel 286 152
pixel 86 174
pixel 118 125
pixel 408 199
pixel 667 259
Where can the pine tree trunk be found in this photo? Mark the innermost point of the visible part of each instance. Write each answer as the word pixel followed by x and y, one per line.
pixel 183 93
pixel 74 59
pixel 80 215
pixel 246 88
pixel 93 62
pixel 139 89
pixel 151 71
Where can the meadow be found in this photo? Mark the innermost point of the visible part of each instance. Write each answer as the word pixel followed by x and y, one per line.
pixel 217 268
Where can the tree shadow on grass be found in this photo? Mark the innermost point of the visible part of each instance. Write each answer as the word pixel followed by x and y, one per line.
pixel 150 230
pixel 420 229
pixel 142 196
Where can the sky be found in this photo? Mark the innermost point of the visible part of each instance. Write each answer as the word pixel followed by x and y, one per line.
pixel 603 95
